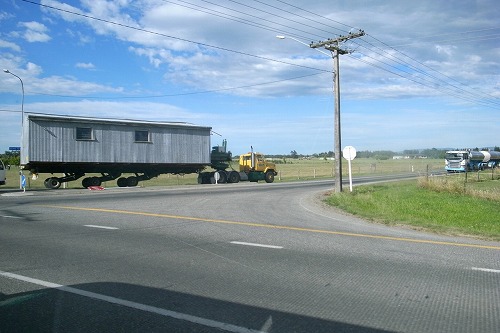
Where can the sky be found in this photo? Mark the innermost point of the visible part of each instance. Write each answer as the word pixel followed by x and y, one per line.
pixel 425 74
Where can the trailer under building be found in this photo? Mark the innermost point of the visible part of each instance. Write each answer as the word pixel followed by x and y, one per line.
pixel 74 146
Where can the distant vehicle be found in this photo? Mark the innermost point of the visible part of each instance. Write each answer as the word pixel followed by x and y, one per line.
pixel 74 146
pixel 469 160
pixel 2 173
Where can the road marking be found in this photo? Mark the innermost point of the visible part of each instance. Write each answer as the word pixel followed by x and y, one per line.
pixel 272 226
pixel 11 217
pixel 134 305
pixel 489 270
pixel 100 227
pixel 257 245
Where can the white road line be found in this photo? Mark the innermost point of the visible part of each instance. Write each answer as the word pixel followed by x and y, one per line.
pixel 134 305
pixel 100 227
pixel 258 245
pixel 11 217
pixel 489 270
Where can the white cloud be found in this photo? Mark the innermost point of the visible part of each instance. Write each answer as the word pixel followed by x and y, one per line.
pixel 35 32
pixel 9 45
pixel 84 65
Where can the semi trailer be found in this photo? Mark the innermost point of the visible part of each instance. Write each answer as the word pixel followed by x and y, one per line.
pixel 70 147
pixel 469 160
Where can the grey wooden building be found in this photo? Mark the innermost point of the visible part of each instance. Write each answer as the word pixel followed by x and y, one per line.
pixel 76 145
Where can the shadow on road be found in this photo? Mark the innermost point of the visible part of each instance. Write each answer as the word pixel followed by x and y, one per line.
pixel 129 308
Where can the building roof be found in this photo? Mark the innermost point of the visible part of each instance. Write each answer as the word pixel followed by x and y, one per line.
pixel 132 122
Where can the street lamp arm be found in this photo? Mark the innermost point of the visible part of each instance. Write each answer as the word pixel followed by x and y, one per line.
pixel 22 88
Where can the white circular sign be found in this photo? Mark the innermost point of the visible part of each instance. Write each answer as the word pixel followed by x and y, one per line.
pixel 349 153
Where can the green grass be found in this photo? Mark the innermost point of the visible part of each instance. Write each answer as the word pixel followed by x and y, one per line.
pixel 421 207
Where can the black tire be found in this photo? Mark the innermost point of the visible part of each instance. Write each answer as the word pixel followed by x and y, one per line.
pixel 132 181
pixel 234 177
pixel 122 182
pixel 53 183
pixel 222 177
pixel 86 182
pixel 95 181
pixel 269 176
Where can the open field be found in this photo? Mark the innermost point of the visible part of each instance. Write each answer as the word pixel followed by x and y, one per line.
pixel 292 170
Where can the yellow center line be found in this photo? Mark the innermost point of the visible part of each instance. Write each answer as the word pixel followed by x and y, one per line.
pixel 271 226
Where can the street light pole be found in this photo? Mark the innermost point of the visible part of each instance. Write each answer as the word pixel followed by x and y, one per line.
pixel 22 125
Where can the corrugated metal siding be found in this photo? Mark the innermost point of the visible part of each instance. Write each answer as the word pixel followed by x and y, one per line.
pixel 54 140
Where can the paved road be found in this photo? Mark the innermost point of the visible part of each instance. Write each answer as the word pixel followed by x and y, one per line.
pixel 232 258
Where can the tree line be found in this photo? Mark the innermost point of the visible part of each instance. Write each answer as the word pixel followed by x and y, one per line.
pixel 434 153
pixel 11 158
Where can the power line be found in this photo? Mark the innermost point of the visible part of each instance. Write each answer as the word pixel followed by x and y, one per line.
pixel 470 93
pixel 173 37
pixel 383 52
pixel 448 77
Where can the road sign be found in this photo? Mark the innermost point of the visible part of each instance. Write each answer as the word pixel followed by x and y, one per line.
pixel 14 148
pixel 349 153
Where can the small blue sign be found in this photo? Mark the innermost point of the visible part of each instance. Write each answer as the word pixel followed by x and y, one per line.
pixel 23 181
pixel 14 148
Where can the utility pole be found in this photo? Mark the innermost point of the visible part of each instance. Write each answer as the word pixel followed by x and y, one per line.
pixel 333 45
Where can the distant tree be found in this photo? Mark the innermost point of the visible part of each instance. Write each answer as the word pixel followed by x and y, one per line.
pixel 293 154
pixel 411 152
pixel 11 158
pixel 434 153
pixel 383 154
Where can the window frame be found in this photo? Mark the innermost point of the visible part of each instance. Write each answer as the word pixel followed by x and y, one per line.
pixel 80 137
pixel 141 132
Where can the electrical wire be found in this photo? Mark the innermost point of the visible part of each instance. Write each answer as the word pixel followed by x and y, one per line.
pixel 427 81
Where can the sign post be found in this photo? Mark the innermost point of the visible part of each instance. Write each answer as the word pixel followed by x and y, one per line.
pixel 23 182
pixel 349 154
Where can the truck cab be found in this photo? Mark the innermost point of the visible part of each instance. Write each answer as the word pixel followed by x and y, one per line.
pixel 256 167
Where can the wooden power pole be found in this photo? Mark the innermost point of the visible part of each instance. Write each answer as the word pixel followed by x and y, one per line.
pixel 333 45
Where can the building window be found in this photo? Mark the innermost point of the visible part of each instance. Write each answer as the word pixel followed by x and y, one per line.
pixel 142 136
pixel 84 133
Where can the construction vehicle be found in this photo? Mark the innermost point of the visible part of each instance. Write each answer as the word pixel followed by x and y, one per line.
pixel 252 167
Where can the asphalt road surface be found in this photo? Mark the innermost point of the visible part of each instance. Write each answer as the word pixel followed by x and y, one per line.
pixel 231 258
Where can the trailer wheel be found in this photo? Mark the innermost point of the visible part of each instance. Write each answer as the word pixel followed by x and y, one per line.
pixel 132 181
pixel 222 177
pixel 234 177
pixel 269 176
pixel 204 178
pixel 122 182
pixel 95 181
pixel 86 182
pixel 52 183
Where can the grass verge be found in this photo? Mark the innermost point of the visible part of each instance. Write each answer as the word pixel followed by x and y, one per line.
pixel 430 208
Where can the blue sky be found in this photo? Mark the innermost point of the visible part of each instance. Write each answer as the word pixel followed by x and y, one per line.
pixel 425 75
